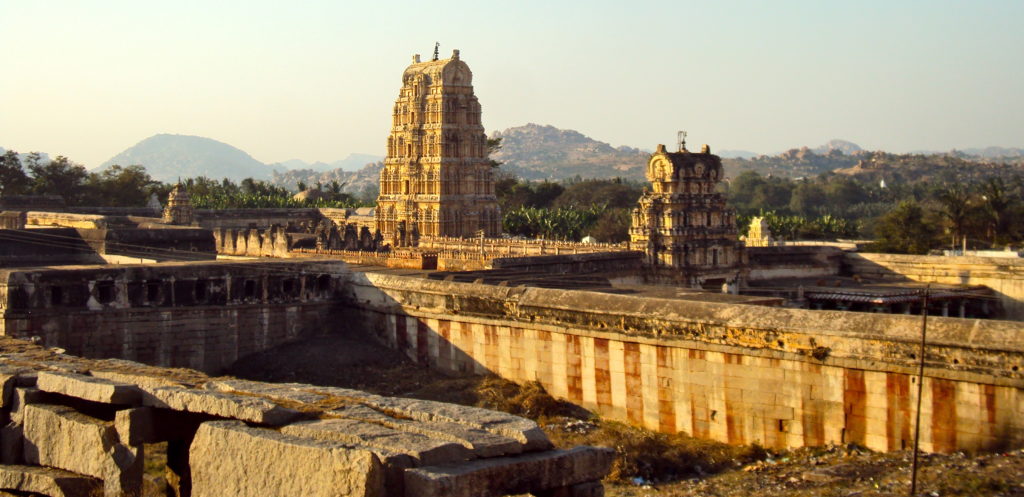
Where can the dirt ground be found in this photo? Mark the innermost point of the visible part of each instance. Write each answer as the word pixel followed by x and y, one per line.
pixel 648 463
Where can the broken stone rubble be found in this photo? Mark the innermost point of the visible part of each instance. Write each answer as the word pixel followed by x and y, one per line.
pixel 81 424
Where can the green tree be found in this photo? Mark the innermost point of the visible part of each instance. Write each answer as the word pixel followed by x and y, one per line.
pixel 996 203
pixel 58 177
pixel 612 226
pixel 956 209
pixel 13 180
pixel 118 186
pixel 612 193
pixel 808 198
pixel 493 146
pixel 904 230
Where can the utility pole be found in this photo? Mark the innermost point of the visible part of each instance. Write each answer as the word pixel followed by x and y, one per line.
pixel 920 389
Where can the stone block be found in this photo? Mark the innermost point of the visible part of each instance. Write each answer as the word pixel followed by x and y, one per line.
pixel 426 451
pixel 11 444
pixel 142 380
pixel 482 443
pixel 226 405
pixel 136 426
pixel 89 388
pixel 47 481
pixel 289 392
pixel 230 458
pixel 8 381
pixel 60 437
pixel 526 473
pixel 523 430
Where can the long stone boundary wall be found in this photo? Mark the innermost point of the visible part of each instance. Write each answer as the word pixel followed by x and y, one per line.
pixel 733 373
pixel 1005 276
pixel 80 428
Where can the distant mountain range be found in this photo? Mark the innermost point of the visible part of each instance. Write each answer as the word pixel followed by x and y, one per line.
pixel 353 162
pixel 167 157
pixel 532 151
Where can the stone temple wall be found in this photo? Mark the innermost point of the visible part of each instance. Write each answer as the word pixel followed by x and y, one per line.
pixel 197 315
pixel 1005 276
pixel 733 373
pixel 737 374
pixel 82 428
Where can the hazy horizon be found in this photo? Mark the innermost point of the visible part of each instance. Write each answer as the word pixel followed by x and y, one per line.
pixel 316 80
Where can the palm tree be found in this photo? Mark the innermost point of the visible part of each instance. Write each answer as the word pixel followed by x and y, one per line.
pixel 955 200
pixel 996 203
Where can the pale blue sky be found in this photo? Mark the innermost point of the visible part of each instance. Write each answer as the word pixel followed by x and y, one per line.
pixel 316 80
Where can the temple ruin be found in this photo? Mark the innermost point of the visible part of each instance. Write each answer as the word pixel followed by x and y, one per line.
pixel 437 180
pixel 682 329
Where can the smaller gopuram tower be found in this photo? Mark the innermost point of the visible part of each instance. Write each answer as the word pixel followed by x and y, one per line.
pixel 437 179
pixel 683 224
pixel 179 208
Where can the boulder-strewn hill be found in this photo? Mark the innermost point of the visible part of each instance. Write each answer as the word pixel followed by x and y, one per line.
pixel 168 157
pixel 545 152
pixel 352 163
pixel 361 182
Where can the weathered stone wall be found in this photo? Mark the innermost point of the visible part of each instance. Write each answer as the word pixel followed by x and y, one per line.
pixel 79 428
pixel 197 315
pixel 256 218
pixel 401 258
pixel 70 220
pixel 503 247
pixel 596 262
pixel 45 246
pixel 1005 276
pixel 252 242
pixel 738 374
pixel 794 262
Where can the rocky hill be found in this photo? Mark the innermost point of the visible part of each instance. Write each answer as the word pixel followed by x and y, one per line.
pixel 168 157
pixel 361 182
pixel 535 151
pixel 352 163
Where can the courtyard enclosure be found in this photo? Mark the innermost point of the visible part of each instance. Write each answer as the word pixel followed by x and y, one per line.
pixel 733 373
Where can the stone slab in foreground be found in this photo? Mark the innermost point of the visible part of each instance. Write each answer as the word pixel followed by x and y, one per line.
pixel 511 475
pixel 48 481
pixel 60 437
pixel 231 458
pixel 225 405
pixel 89 388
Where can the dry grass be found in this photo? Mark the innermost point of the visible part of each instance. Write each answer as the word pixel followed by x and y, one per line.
pixel 640 453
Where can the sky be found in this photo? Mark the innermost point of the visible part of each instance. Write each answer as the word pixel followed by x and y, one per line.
pixel 316 80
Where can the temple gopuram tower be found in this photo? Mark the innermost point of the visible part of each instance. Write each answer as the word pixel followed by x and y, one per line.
pixel 683 224
pixel 437 179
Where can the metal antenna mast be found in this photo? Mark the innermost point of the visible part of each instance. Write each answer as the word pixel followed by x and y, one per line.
pixel 437 48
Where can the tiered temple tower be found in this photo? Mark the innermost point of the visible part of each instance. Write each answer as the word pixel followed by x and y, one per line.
pixel 437 179
pixel 684 225
pixel 179 208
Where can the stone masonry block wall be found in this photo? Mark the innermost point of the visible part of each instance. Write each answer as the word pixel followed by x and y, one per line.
pixel 197 315
pixel 78 428
pixel 1005 276
pixel 733 373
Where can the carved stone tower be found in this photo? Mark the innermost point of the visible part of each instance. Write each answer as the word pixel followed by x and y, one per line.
pixel 437 180
pixel 179 208
pixel 684 225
